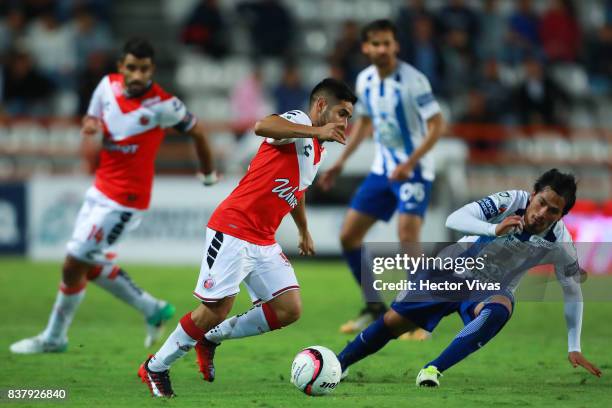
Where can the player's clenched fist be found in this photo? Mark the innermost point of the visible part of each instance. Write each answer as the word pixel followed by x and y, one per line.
pixel 510 225
pixel 332 132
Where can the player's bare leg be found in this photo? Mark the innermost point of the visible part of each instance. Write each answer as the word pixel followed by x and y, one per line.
pixel 489 318
pixel 354 229
pixel 71 293
pixel 409 232
pixel 278 312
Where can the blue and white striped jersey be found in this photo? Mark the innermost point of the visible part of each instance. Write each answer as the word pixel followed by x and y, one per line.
pixel 399 106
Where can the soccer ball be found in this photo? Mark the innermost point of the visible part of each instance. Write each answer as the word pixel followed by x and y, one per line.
pixel 316 371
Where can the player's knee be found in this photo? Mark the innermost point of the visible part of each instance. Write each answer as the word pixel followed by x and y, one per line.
pixel 397 324
pixel 348 240
pixel 498 311
pixel 74 273
pixel 289 313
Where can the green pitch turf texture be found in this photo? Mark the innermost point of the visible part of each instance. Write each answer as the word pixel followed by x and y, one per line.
pixel 523 366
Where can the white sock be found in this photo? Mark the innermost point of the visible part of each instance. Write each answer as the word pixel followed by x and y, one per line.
pixel 258 320
pixel 64 308
pixel 116 281
pixel 176 345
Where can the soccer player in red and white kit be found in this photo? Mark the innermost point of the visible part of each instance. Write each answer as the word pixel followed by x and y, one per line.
pixel 240 244
pixel 132 112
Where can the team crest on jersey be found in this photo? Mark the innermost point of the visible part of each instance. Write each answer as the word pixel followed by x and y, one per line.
pixel 144 120
pixel 209 283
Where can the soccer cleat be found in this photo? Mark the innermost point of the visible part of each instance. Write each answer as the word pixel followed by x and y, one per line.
pixel 428 377
pixel 158 382
pixel 416 335
pixel 205 352
pixel 344 374
pixel 367 315
pixel 155 323
pixel 37 344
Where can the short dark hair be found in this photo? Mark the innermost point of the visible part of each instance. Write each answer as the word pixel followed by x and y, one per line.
pixel 138 47
pixel 334 88
pixel 378 25
pixel 563 184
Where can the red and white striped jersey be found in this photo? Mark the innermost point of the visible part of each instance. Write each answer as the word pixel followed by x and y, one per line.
pixel 133 131
pixel 276 180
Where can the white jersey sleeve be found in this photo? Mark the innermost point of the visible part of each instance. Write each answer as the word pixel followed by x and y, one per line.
pixel 482 216
pixel 173 113
pixel 568 274
pixel 96 103
pixel 295 116
pixel 424 100
pixel 360 108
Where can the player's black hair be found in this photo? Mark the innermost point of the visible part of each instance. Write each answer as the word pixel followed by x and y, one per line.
pixel 563 184
pixel 335 88
pixel 138 47
pixel 378 25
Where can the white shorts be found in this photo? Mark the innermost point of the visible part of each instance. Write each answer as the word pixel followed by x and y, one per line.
pixel 228 261
pixel 101 223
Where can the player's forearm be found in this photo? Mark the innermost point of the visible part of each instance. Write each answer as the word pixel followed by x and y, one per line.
pixel 572 309
pixel 299 215
pixel 435 127
pixel 361 129
pixel 203 148
pixel 275 127
pixel 467 220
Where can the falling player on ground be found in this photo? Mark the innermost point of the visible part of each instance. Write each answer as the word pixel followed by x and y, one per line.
pixel 521 225
pixel 132 112
pixel 396 103
pixel 240 244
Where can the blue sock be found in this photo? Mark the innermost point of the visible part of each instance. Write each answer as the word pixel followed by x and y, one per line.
pixel 369 341
pixel 473 336
pixel 353 259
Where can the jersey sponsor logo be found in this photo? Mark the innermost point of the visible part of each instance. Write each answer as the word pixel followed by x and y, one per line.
pixel 286 192
pixel 125 149
pixel 488 207
pixel 307 149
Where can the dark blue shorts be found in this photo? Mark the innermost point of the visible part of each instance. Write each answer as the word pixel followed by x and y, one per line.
pixel 380 198
pixel 427 315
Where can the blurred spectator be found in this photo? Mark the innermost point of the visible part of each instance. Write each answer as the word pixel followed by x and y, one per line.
pixel 99 8
pixel 271 26
pixel 599 59
pixel 524 33
pixel 424 53
pixel 290 93
pixel 539 99
pixel 347 52
pixel 498 97
pixel 408 13
pixel 207 29
pixel 25 91
pixel 96 66
pixel 248 102
pixel 91 36
pixel 52 47
pixel 459 62
pixel 560 32
pixel 457 16
pixel 11 29
pixel 37 8
pixel 476 109
pixel 494 29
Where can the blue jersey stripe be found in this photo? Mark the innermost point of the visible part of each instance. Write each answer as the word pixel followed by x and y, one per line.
pixel 400 114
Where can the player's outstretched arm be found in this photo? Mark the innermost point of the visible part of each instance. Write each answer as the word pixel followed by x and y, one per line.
pixel 305 244
pixel 435 127
pixel 359 131
pixel 204 152
pixel 90 147
pixel 276 127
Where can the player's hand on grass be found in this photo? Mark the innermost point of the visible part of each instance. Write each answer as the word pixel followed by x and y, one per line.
pixel 402 171
pixel 306 244
pixel 328 178
pixel 577 359
pixel 510 225
pixel 90 126
pixel 332 132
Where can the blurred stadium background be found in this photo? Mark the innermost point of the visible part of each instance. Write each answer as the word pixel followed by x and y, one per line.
pixel 525 86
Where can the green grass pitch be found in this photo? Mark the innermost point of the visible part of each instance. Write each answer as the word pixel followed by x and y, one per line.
pixel 525 365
